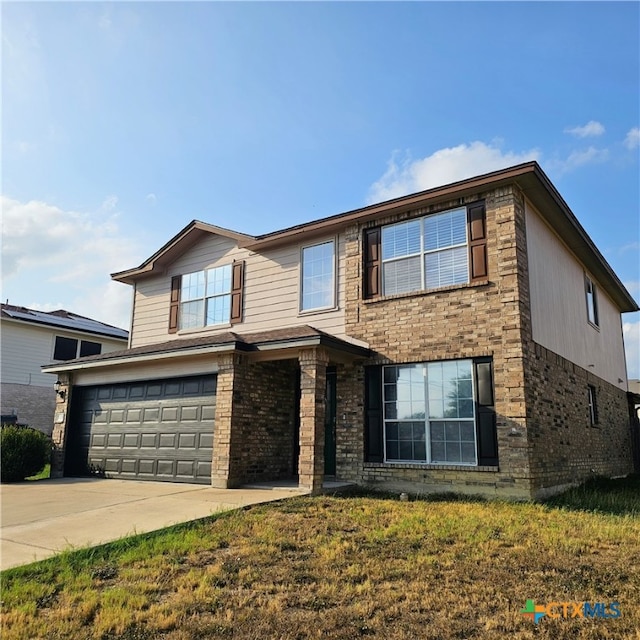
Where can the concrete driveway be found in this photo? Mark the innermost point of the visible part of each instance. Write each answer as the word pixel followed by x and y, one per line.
pixel 42 518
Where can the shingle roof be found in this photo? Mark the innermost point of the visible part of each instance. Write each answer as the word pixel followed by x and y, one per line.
pixel 241 342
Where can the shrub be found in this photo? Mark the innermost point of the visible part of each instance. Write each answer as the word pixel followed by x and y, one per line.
pixel 24 452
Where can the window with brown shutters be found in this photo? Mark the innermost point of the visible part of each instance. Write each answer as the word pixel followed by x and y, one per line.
pixel 207 298
pixel 438 412
pixel 442 249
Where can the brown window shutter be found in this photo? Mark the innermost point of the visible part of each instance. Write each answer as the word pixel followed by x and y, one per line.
pixel 477 221
pixel 174 308
pixel 486 432
pixel 237 285
pixel 372 263
pixel 373 428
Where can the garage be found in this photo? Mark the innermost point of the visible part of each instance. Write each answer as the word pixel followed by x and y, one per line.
pixel 151 430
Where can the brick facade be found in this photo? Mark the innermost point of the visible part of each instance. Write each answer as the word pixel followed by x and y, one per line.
pixel 254 435
pixel 33 405
pixel 484 319
pixel 565 448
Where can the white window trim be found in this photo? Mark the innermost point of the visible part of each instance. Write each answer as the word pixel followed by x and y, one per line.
pixel 423 252
pixel 588 280
pixel 427 425
pixel 204 326
pixel 334 290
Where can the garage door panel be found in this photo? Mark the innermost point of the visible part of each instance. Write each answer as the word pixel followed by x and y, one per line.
pixel 160 430
pixel 188 441
pixel 134 415
pixel 131 441
pixel 170 414
pixel 167 441
pixel 205 441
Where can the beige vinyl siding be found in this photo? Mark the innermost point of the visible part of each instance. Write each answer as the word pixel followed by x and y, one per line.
pixel 26 347
pixel 130 372
pixel 271 292
pixel 559 309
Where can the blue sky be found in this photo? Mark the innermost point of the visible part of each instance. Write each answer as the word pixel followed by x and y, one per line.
pixel 121 122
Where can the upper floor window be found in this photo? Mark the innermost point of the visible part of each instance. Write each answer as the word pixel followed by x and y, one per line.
pixel 425 253
pixel 317 279
pixel 438 250
pixel 71 348
pixel 592 301
pixel 205 297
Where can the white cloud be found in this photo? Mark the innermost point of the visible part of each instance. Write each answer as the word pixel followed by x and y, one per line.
pixel 442 167
pixel 49 254
pixel 110 203
pixel 632 139
pixel 591 129
pixel 151 198
pixel 631 332
pixel 578 159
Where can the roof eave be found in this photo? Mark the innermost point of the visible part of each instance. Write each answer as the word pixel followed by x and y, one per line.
pixel 185 238
pixel 548 202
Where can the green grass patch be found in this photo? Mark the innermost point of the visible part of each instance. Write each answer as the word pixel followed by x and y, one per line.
pixel 43 475
pixel 345 567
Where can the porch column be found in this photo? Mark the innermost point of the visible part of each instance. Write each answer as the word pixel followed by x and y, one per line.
pixel 226 434
pixel 61 425
pixel 313 382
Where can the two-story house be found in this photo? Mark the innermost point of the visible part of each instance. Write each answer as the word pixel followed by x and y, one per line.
pixel 31 338
pixel 465 338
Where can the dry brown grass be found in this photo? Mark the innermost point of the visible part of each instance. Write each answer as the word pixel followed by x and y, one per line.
pixel 342 568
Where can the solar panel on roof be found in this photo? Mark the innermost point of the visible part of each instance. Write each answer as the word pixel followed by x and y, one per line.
pixel 80 324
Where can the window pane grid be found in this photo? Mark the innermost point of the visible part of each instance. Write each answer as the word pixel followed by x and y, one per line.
pixel 427 253
pixel 205 297
pixel 429 413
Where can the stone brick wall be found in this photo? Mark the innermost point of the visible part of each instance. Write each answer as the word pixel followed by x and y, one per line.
pixel 566 449
pixel 33 405
pixel 255 421
pixel 264 414
pixel 486 319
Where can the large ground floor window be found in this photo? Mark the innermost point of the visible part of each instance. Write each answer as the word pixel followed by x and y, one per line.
pixel 429 413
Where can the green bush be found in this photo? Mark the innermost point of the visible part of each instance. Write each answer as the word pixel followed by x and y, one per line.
pixel 24 452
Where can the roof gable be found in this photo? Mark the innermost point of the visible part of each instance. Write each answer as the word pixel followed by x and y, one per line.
pixel 529 177
pixel 176 247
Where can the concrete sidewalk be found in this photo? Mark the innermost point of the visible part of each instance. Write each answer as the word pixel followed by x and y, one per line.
pixel 42 518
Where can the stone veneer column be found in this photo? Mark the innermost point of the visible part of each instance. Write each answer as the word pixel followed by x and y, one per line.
pixel 223 436
pixel 61 425
pixel 313 382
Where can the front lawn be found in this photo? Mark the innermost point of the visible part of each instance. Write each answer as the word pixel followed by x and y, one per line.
pixel 347 567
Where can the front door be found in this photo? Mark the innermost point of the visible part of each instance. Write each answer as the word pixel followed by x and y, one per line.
pixel 330 424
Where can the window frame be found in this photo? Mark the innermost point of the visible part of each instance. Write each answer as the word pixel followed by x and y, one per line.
pixel 591 299
pixel 80 344
pixel 592 401
pixel 423 251
pixel 334 278
pixel 427 419
pixel 205 298
pixel 476 254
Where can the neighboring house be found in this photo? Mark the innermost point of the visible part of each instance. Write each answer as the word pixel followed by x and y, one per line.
pixel 31 338
pixel 465 338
